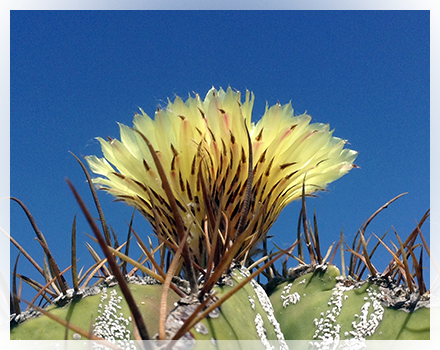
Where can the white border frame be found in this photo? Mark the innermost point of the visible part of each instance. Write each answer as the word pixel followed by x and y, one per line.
pixel 9 5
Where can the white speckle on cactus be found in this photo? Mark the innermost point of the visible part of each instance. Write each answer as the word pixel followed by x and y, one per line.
pixel 289 298
pixel 110 325
pixel 252 301
pixel 261 331
pixel 201 328
pixel 243 271
pixel 368 325
pixel 267 307
pixel 321 267
pixel 328 330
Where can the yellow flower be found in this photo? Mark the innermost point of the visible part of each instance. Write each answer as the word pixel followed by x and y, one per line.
pixel 211 135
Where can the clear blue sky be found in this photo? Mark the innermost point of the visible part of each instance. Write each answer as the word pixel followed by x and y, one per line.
pixel 74 75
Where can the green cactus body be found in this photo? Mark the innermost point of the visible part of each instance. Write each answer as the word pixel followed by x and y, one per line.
pixel 318 306
pixel 247 315
pixel 107 311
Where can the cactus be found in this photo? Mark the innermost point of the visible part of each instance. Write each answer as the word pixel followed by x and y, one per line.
pixel 211 184
pixel 104 307
pixel 322 304
pixel 95 305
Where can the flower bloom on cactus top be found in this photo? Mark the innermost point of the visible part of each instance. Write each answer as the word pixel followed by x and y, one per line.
pixel 209 139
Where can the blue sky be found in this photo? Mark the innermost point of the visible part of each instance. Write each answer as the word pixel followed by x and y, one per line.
pixel 74 75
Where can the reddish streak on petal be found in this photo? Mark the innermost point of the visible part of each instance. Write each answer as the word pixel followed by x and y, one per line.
pixel 225 116
pixel 310 134
pixel 285 134
pixel 255 147
pixel 185 126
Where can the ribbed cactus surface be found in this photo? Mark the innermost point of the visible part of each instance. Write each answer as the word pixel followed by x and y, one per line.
pixel 321 305
pixel 246 315
pixel 101 307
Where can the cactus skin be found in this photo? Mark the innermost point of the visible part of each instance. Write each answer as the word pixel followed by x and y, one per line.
pixel 239 316
pixel 84 311
pixel 235 320
pixel 301 306
pixel 315 308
